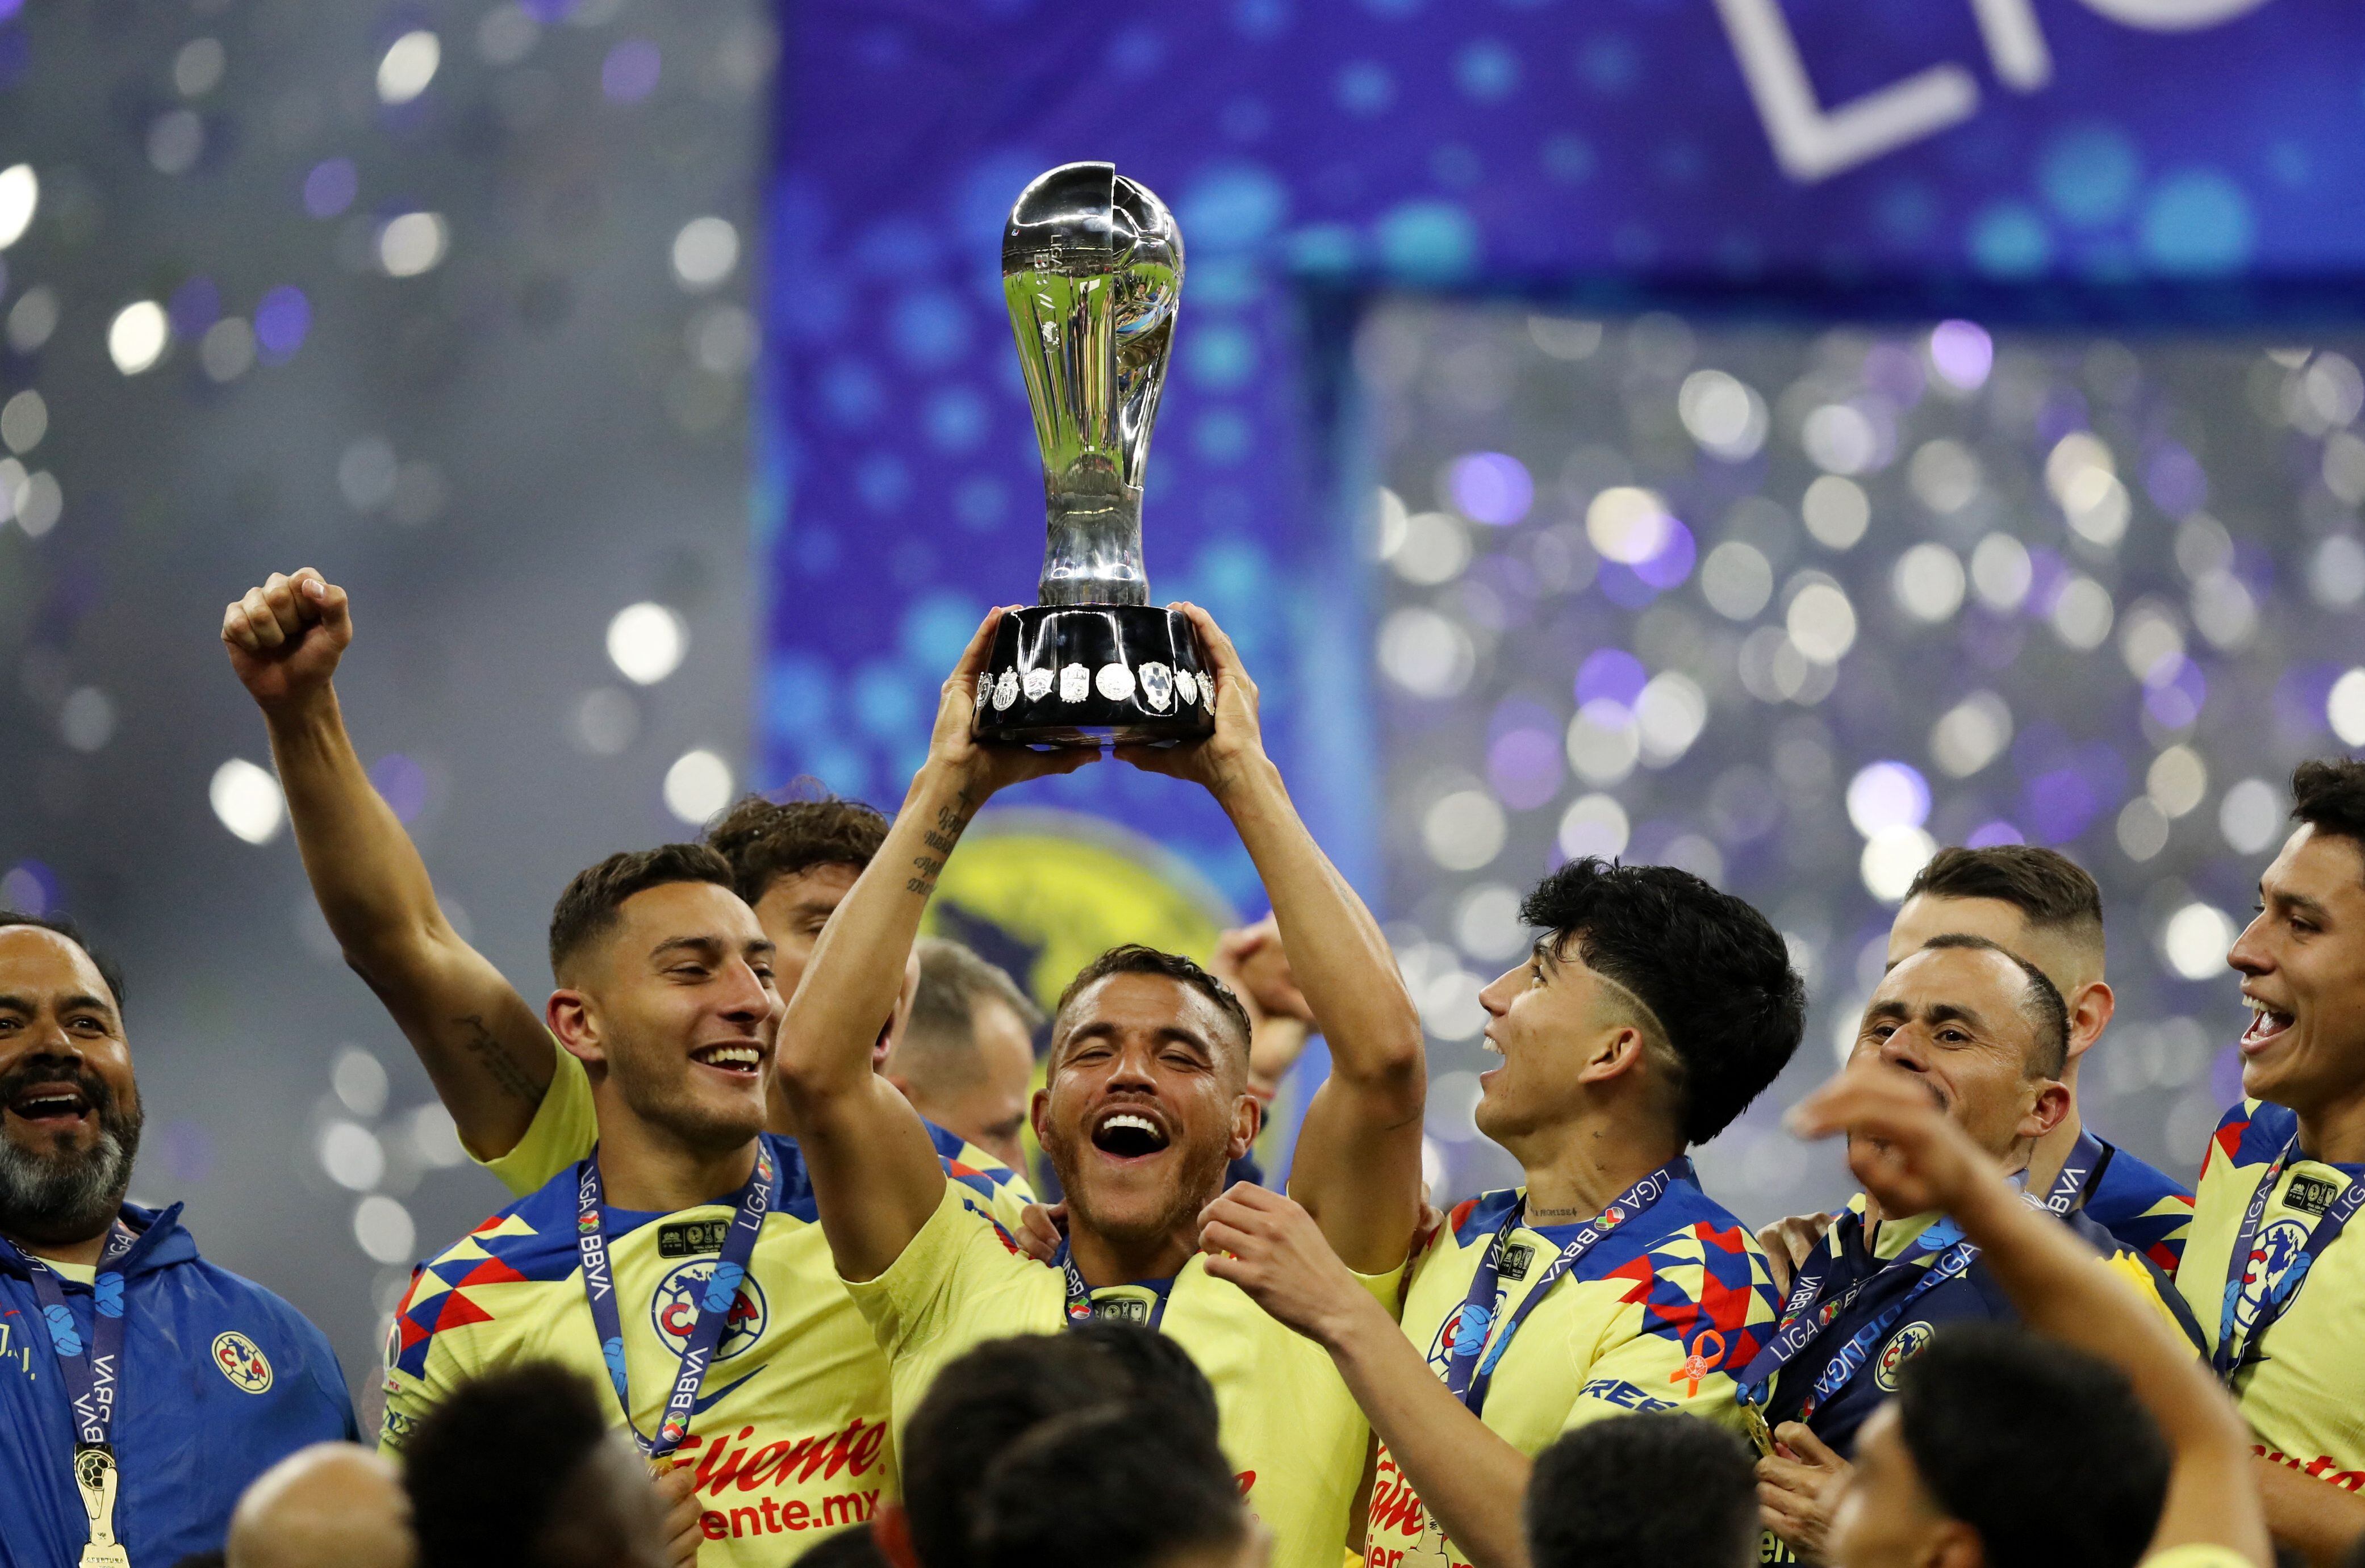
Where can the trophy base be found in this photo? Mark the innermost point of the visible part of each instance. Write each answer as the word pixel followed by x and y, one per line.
pixel 1079 675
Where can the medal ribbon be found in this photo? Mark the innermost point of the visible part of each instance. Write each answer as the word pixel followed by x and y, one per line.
pixel 2078 1172
pixel 713 1302
pixel 1804 1317
pixel 1079 1294
pixel 2229 1359
pixel 93 1373
pixel 1477 1348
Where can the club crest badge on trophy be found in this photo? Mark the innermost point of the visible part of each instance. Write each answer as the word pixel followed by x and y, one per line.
pixel 1092 270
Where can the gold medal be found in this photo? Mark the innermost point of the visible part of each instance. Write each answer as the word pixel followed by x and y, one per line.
pixel 94 1477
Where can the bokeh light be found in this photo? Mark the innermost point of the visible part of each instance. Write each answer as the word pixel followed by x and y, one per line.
pixel 246 800
pixel 697 785
pixel 646 641
pixel 136 338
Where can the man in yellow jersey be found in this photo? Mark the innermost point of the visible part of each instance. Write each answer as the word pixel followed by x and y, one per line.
pixel 680 1263
pixel 523 1106
pixel 2001 1450
pixel 1652 1012
pixel 1146 1101
pixel 2275 1270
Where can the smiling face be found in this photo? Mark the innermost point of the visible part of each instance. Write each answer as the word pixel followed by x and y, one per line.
pixel 1146 1103
pixel 1555 1023
pixel 2071 957
pixel 2302 963
pixel 69 1115
pixel 679 1011
pixel 1959 1019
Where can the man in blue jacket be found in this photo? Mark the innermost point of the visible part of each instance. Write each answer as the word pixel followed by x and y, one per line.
pixel 141 1387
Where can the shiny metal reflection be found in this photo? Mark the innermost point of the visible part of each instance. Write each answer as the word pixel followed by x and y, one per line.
pixel 1092 271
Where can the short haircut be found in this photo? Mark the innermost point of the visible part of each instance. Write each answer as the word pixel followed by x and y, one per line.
pixel 940 1038
pixel 1715 975
pixel 2002 1426
pixel 1109 1487
pixel 989 1398
pixel 765 840
pixel 2052 891
pixel 588 909
pixel 1575 1521
pixel 2042 1004
pixel 60 925
pixel 544 1422
pixel 1132 959
pixel 1155 1369
pixel 2329 796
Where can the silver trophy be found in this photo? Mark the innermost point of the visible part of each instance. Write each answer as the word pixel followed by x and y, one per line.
pixel 1092 269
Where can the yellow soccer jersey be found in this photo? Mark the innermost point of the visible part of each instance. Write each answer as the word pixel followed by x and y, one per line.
pixel 2198 1557
pixel 789 1438
pixel 2304 1393
pixel 564 1128
pixel 1290 1429
pixel 1663 1313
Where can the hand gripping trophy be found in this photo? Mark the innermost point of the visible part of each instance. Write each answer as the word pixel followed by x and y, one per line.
pixel 1092 269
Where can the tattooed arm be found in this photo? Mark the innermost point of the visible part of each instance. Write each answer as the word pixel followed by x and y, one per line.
pixel 485 1049
pixel 875 1173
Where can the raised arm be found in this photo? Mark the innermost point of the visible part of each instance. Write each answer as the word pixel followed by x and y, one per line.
pixel 875 1174
pixel 482 1046
pixel 1357 1168
pixel 2061 1291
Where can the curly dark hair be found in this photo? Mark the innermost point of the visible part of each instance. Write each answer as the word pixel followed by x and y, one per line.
pixel 765 840
pixel 587 909
pixel 2328 794
pixel 1711 970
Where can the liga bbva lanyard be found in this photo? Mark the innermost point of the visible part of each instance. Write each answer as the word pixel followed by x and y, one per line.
pixel 1804 1317
pixel 713 1302
pixel 93 1374
pixel 2229 1358
pixel 1080 1295
pixel 1477 1351
pixel 2077 1173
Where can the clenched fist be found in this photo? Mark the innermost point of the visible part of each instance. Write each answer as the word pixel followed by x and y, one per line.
pixel 284 638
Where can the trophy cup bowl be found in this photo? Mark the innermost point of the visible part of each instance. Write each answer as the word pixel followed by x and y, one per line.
pixel 1092 271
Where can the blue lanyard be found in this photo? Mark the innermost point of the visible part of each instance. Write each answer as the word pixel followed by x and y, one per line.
pixel 1805 1315
pixel 93 1372
pixel 2078 1172
pixel 2228 1359
pixel 714 1303
pixel 1477 1351
pixel 1080 1307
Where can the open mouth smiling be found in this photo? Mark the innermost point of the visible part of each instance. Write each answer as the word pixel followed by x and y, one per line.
pixel 50 1105
pixel 738 1058
pixel 2267 1023
pixel 1128 1134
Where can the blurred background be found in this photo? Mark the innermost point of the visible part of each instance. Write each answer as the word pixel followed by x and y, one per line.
pixel 1771 439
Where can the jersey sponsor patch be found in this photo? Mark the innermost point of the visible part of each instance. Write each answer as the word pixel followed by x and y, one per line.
pixel 2310 1195
pixel 1903 1347
pixel 691 1238
pixel 242 1362
pixel 681 1296
pixel 1625 1395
